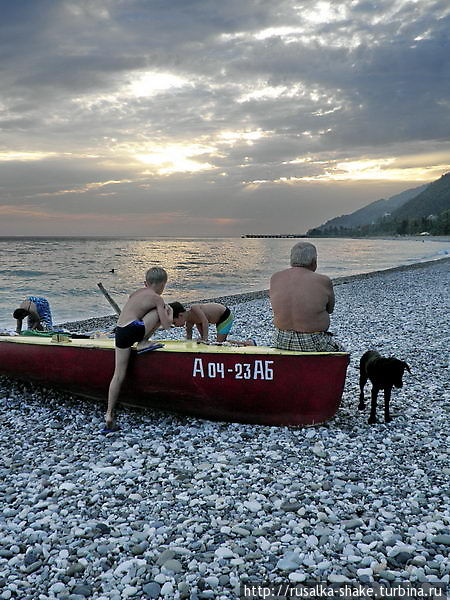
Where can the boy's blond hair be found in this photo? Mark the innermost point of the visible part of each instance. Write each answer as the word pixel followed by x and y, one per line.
pixel 156 275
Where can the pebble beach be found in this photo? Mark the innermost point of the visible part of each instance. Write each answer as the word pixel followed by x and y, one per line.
pixel 181 508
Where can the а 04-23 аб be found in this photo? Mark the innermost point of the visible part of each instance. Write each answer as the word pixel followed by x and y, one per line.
pixel 260 369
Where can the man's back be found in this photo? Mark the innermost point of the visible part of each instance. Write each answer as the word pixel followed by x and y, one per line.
pixel 301 299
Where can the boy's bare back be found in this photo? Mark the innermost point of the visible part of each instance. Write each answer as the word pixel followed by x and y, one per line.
pixel 138 304
pixel 212 311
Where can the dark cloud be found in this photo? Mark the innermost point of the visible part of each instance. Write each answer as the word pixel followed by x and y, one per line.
pixel 260 90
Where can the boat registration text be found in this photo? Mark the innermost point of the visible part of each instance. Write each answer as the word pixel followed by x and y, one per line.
pixel 259 369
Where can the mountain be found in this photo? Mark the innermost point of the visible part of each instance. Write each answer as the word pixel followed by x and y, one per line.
pixel 372 212
pixel 422 209
pixel 434 200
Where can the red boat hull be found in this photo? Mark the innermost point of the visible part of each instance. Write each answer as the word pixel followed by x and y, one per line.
pixel 244 385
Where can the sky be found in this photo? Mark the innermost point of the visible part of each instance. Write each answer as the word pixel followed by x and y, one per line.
pixel 208 117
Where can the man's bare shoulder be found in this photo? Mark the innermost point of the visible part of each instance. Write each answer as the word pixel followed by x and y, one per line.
pixel 324 278
pixel 280 274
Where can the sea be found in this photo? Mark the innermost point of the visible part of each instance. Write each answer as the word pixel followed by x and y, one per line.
pixel 67 270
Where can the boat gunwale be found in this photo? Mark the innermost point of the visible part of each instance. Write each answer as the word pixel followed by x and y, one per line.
pixel 170 346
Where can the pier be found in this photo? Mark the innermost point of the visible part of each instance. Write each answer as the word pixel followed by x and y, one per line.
pixel 274 235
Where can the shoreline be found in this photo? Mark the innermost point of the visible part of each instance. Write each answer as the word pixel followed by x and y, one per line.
pixel 108 321
pixel 178 507
pixel 207 237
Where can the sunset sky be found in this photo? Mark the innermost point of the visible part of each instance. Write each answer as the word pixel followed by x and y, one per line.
pixel 208 117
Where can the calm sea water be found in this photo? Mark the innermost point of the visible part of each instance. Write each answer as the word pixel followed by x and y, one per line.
pixel 67 270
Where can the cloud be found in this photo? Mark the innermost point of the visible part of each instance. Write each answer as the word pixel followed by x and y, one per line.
pixel 186 103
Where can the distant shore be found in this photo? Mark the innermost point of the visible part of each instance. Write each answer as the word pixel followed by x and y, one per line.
pixel 438 238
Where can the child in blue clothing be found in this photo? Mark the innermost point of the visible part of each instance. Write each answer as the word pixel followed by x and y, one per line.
pixel 37 309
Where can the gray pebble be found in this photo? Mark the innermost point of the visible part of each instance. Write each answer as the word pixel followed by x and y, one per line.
pixel 82 590
pixel 173 565
pixel 443 539
pixel 151 590
pixel 193 508
pixel 352 523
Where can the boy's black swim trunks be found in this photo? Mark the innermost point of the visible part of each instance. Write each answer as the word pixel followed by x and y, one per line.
pixel 131 333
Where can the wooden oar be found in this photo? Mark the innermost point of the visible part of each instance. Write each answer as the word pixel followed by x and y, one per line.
pixel 108 297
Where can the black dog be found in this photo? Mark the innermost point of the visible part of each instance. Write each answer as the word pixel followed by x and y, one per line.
pixel 384 374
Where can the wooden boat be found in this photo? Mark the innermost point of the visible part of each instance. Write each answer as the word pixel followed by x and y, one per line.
pixel 251 384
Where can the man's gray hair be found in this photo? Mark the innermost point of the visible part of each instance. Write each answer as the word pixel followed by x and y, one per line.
pixel 156 275
pixel 303 254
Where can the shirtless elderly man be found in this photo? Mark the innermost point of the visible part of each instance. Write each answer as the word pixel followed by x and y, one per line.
pixel 143 313
pixel 302 301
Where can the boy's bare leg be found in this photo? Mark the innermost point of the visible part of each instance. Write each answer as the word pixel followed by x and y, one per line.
pixel 121 362
pixel 151 322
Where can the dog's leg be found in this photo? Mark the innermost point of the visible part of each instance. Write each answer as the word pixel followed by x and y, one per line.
pixel 362 383
pixel 373 405
pixel 387 398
